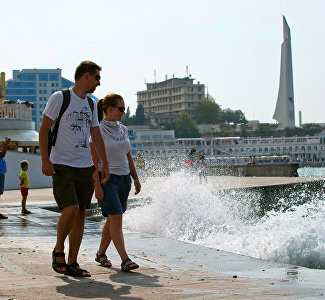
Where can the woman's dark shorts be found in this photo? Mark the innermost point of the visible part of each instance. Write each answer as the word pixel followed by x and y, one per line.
pixel 73 186
pixel 116 193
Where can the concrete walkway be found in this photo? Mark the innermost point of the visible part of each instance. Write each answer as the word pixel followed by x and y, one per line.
pixel 168 269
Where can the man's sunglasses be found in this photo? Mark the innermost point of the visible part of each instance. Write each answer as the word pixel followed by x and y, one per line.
pixel 121 109
pixel 97 77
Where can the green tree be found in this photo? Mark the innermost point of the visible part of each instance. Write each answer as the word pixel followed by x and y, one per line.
pixel 239 117
pixel 126 118
pixel 233 116
pixel 139 115
pixel 185 127
pixel 207 112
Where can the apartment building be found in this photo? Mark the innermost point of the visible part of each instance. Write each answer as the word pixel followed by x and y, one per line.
pixel 36 86
pixel 166 100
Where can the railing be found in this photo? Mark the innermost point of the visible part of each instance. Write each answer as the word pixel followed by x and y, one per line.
pixel 15 111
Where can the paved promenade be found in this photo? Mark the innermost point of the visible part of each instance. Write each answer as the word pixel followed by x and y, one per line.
pixel 168 269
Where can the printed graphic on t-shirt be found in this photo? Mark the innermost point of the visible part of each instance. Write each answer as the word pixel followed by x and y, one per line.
pixel 80 125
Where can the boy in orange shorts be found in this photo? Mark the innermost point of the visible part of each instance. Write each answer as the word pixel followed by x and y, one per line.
pixel 24 186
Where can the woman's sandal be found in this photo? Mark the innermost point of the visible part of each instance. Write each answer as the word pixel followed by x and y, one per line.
pixel 56 265
pixel 74 271
pixel 128 265
pixel 103 260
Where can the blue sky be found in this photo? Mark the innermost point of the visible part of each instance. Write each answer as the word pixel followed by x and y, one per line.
pixel 233 46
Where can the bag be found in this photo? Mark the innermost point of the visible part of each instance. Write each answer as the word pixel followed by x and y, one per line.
pixel 188 163
pixel 53 133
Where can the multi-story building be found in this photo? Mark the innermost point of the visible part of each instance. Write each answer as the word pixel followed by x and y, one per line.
pixel 166 100
pixel 35 85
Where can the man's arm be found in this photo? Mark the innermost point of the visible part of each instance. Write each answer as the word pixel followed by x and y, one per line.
pixel 47 166
pixel 99 193
pixel 98 142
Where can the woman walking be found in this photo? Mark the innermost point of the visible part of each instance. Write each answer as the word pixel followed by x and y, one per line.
pixel 112 196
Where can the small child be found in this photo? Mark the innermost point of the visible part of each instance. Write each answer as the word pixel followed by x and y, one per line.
pixel 24 186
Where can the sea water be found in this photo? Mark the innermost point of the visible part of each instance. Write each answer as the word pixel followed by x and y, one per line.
pixel 179 207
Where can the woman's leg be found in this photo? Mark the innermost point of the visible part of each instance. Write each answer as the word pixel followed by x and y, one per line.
pixel 106 237
pixel 116 234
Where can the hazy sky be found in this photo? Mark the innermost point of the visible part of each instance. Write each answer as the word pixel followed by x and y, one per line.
pixel 233 46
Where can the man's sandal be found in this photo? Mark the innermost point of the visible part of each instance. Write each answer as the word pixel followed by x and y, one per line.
pixel 56 265
pixel 128 265
pixel 103 260
pixel 74 271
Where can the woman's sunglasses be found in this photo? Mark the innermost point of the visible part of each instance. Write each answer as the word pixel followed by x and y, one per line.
pixel 121 109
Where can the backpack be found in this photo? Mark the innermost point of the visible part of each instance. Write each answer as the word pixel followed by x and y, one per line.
pixel 53 133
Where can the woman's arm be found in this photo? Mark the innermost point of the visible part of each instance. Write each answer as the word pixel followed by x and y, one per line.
pixel 134 173
pixel 99 193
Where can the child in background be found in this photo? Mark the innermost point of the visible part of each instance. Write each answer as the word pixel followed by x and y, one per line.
pixel 24 186
pixel 201 165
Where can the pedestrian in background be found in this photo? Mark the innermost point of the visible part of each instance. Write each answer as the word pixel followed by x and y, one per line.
pixel 24 186
pixel 3 169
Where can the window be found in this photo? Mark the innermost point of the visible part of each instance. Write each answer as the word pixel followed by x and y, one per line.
pixel 20 84
pixel 43 77
pixel 27 77
pixel 54 76
pixel 21 92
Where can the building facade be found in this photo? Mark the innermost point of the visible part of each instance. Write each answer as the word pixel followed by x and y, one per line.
pixel 166 100
pixel 36 86
pixel 236 149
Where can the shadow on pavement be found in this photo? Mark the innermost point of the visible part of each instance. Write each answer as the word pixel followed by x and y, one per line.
pixel 136 279
pixel 88 289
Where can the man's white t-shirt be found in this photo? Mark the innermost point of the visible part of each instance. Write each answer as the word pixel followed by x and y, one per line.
pixel 72 143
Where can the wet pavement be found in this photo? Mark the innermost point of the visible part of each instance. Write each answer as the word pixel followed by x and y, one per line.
pixel 168 269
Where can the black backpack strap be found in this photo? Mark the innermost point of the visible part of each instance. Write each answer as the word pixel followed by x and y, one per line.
pixel 53 134
pixel 91 104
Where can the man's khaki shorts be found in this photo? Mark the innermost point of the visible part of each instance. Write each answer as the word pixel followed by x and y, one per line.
pixel 73 186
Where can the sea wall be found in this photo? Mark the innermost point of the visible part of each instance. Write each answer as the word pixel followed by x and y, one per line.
pixel 279 196
pixel 257 170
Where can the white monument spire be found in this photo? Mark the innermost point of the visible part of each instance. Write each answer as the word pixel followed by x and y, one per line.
pixel 285 110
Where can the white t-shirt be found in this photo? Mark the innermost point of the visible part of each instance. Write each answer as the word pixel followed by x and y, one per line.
pixel 117 145
pixel 72 143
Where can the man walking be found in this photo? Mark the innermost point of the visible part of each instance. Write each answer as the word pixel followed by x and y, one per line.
pixel 70 163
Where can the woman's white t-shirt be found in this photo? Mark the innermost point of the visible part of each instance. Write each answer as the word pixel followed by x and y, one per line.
pixel 117 145
pixel 72 143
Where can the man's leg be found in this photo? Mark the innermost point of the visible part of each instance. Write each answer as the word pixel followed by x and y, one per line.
pixel 75 236
pixel 65 224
